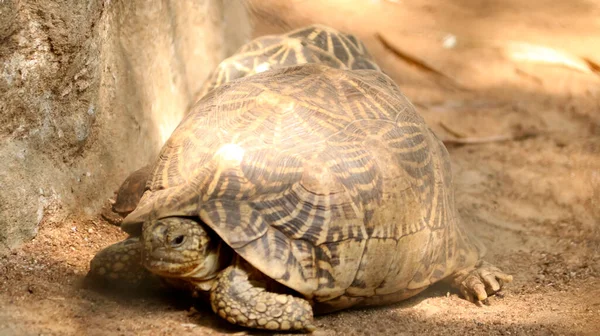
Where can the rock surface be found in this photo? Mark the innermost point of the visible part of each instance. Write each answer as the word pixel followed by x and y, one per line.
pixel 90 90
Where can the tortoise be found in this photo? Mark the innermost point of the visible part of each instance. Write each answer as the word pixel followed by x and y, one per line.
pixel 302 190
pixel 311 44
pixel 131 190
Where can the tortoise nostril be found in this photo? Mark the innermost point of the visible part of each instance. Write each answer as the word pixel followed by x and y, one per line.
pixel 177 241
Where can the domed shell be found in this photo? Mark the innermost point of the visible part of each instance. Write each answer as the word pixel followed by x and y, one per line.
pixel 312 44
pixel 326 180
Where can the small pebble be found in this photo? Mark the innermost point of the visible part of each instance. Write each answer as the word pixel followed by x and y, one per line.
pixel 188 325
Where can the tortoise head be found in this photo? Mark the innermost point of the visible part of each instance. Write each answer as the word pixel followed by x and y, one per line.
pixel 180 247
pixel 131 191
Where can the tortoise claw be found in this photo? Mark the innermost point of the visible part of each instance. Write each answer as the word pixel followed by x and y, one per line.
pixel 478 284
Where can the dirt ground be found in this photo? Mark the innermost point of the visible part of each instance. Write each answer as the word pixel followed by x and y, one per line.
pixel 532 195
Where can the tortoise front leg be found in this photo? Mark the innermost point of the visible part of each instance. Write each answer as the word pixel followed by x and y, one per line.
pixel 235 298
pixel 120 264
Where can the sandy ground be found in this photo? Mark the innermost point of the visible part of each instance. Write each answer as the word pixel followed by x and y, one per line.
pixel 534 200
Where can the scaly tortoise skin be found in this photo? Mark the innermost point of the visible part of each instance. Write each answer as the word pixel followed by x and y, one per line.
pixel 298 189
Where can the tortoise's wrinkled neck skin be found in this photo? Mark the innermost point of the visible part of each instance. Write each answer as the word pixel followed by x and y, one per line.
pixel 177 247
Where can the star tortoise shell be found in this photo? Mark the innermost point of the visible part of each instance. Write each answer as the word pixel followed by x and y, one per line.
pixel 312 44
pixel 326 180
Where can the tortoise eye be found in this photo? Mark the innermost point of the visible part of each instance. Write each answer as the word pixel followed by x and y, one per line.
pixel 177 241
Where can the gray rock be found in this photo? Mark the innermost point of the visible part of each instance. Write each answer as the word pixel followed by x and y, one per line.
pixel 90 90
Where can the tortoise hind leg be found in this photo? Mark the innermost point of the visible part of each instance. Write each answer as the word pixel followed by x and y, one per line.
pixel 478 283
pixel 237 299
